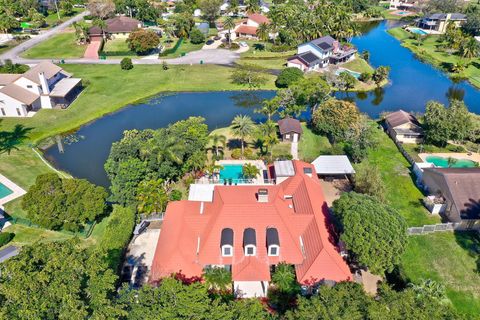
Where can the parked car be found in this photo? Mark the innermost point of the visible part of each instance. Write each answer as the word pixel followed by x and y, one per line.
pixel 209 42
pixel 243 44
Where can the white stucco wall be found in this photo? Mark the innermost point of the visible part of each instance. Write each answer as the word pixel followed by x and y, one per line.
pixel 310 47
pixel 10 105
pixel 250 289
pixel 24 83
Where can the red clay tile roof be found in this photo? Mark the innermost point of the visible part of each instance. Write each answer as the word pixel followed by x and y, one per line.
pixel 190 239
pixel 288 125
pixel 258 18
pixel 244 29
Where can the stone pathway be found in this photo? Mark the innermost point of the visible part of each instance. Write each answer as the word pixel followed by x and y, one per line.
pixel 294 150
pixel 92 49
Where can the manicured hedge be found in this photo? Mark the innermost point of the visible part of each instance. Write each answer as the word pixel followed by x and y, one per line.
pixel 6 237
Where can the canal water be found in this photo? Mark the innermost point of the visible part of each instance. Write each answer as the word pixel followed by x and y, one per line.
pixel 413 84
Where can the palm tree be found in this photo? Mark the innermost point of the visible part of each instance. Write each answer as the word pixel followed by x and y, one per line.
pixel 250 171
pixel 218 278
pixel 229 24
pixel 218 143
pixel 252 6
pixel 242 126
pixel 263 31
pixel 102 25
pixel 10 140
pixel 269 108
pixel 470 48
pixel 268 134
pixel 152 196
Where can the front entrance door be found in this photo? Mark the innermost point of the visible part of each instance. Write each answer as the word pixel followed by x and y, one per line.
pixel 295 137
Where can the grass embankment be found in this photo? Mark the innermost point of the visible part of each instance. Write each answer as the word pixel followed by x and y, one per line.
pixel 360 65
pixel 259 54
pixel 429 50
pixel 111 88
pixel 60 46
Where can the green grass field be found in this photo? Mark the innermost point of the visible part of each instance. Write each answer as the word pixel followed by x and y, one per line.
pixel 452 259
pixel 111 88
pixel 312 145
pixel 184 48
pixel 61 46
pixel 52 17
pixel 429 50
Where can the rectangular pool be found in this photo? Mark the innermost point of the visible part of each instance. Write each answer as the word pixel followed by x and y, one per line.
pixel 456 163
pixel 231 171
pixel 4 191
pixel 418 31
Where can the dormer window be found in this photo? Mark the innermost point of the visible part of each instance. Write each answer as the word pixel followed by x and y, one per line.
pixel 226 242
pixel 250 242
pixel 273 242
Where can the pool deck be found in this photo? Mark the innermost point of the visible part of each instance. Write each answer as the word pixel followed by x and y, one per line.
pixel 17 191
pixel 259 180
pixel 460 156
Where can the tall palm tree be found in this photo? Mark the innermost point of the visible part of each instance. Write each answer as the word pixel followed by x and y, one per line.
pixel 250 171
pixel 152 196
pixel 252 6
pixel 268 134
pixel 470 48
pixel 269 108
pixel 10 140
pixel 102 25
pixel 263 31
pixel 229 24
pixel 242 127
pixel 218 143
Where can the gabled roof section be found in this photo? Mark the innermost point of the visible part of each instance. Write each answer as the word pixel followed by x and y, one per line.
pixel 324 43
pixel 400 117
pixel 244 29
pixel 288 125
pixel 7 78
pixel 46 67
pixel 20 94
pixel 120 24
pixel 258 18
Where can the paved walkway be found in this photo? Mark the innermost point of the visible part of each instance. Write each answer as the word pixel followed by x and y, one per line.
pixel 92 49
pixel 294 150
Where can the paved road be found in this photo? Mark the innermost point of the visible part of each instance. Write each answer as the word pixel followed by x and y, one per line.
pixel 213 56
pixel 14 53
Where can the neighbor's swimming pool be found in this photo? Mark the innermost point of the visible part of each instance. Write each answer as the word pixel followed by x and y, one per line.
pixel 4 191
pixel 443 162
pixel 353 73
pixel 231 171
pixel 417 31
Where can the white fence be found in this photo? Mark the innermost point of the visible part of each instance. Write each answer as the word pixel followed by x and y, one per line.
pixel 450 226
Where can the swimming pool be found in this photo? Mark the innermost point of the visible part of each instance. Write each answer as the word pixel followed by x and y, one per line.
pixel 417 31
pixel 443 162
pixel 353 73
pixel 231 171
pixel 4 191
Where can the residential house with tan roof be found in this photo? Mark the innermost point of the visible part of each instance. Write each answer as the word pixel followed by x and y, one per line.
pixel 404 127
pixel 119 26
pixel 248 230
pixel 44 86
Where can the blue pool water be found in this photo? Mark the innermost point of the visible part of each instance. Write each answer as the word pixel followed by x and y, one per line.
pixel 443 162
pixel 417 31
pixel 353 73
pixel 231 171
pixel 4 191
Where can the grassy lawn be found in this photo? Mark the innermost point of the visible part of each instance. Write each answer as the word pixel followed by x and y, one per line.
pixel 118 49
pixel 26 235
pixel 184 48
pixel 358 65
pixel 111 88
pixel 312 145
pixel 267 63
pixel 59 46
pixel 52 17
pixel 429 51
pixel 449 258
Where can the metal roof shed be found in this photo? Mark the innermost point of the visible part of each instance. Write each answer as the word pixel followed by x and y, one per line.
pixel 333 165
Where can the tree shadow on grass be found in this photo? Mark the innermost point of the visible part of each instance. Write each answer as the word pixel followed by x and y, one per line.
pixel 470 241
pixel 234 144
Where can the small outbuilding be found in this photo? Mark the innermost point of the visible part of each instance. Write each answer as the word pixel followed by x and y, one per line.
pixel 290 129
pixel 333 166
pixel 404 127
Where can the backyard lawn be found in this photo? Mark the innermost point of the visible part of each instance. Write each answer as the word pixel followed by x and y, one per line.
pixel 452 259
pixel 52 18
pixel 61 46
pixel 312 145
pixel 111 88
pixel 429 51
pixel 358 65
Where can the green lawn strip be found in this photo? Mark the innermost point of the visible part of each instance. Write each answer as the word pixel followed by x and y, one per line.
pixel 449 258
pixel 267 63
pixel 52 17
pixel 184 48
pixel 402 194
pixel 27 235
pixel 312 145
pixel 358 65
pixel 60 46
pixel 429 51
pixel 111 88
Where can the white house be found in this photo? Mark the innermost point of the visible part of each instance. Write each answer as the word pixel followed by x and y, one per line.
pixel 319 53
pixel 44 86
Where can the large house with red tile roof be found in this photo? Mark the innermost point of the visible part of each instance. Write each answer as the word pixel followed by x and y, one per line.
pixel 248 229
pixel 248 27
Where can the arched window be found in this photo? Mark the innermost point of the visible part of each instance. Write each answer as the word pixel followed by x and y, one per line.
pixel 273 242
pixel 226 242
pixel 250 242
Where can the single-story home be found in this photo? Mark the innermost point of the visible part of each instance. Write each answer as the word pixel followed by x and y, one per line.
pixel 290 129
pixel 333 165
pixel 44 86
pixel 439 21
pixel 119 27
pixel 248 27
pixel 404 127
pixel 459 188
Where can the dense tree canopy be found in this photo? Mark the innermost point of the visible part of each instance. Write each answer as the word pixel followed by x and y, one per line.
pixel 288 76
pixel 166 153
pixel 375 233
pixel 142 41
pixel 56 203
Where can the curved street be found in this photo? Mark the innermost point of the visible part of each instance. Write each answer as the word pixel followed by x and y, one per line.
pixel 211 56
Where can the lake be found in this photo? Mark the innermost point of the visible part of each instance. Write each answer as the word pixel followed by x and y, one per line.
pixel 413 83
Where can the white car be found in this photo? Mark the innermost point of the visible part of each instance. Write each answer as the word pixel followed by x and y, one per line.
pixel 243 44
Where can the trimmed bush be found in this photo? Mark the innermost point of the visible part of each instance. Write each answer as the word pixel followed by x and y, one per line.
pixel 288 76
pixel 126 64
pixel 6 237
pixel 365 77
pixel 196 36
pixel 233 46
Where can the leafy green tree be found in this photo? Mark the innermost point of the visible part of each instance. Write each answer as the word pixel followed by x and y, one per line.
pixel 11 140
pixel 210 9
pixel 37 19
pixel 196 36
pixel 242 126
pixel 126 64
pixel 250 171
pixel 6 237
pixel 252 6
pixel 380 75
pixel 373 232
pixel 282 296
pixel 81 31
pixel 100 23
pixel 8 22
pixel 57 280
pixel 248 75
pixel 218 278
pixel 368 180
pixel 67 7
pixel 269 108
pixel 247 309
pixel 184 24
pixel 263 31
pixel 346 81
pixel 101 8
pixel 152 196
pixel 234 4
pixel 359 140
pixel 437 123
pixel 288 76
pixel 56 203
pixel 365 77
pixel 311 91
pixel 470 48
pixel 336 118
pixel 460 120
pixel 267 135
pixel 429 288
pixel 142 41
